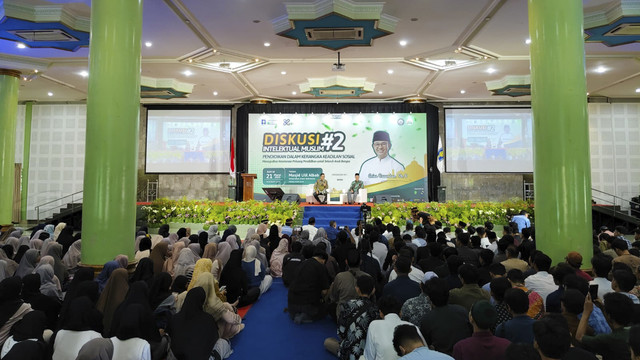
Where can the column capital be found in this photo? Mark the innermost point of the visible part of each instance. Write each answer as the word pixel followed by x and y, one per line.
pixel 10 72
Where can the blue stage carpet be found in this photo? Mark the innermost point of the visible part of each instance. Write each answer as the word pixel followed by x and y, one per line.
pixel 342 214
pixel 270 334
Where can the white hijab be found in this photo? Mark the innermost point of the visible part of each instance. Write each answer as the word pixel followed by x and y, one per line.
pixel 250 253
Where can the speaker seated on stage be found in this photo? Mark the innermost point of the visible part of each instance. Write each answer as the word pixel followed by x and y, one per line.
pixel 320 189
pixel 354 189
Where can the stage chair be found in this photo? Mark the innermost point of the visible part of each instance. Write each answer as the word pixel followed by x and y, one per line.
pixel 344 197
pixel 362 196
pixel 310 198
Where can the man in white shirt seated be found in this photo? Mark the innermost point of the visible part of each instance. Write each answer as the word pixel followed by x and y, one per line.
pixel 541 282
pixel 379 345
pixel 416 274
pixel 601 267
pixel 311 227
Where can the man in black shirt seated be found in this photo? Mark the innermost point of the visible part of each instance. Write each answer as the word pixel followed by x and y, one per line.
pixel 308 288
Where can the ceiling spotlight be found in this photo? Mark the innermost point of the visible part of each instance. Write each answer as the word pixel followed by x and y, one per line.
pixel 601 69
pixel 267 44
pixel 283 73
pixel 21 46
pixel 215 93
pixel 256 59
pixel 390 71
pixel 294 93
pixel 35 71
pixel 83 73
pixel 638 90
pixel 528 41
pixel 462 91
pixel 187 73
pixel 190 60
pixel 491 70
pixel 403 42
pixel 148 44
pixel 50 93
pixel 380 92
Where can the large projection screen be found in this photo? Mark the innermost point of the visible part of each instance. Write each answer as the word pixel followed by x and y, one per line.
pixel 291 150
pixel 489 140
pixel 188 141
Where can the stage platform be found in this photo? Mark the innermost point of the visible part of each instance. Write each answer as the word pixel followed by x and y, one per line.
pixel 343 214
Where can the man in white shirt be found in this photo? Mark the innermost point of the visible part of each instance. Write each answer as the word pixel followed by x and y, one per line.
pixel 311 228
pixel 382 166
pixel 601 267
pixel 379 345
pixel 416 274
pixel 541 282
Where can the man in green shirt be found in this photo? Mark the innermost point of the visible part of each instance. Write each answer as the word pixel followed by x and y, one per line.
pixel 356 185
pixel 320 189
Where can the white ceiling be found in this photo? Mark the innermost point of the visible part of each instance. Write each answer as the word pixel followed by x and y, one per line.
pixel 237 30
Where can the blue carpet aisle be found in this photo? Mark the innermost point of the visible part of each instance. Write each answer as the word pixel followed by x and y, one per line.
pixel 342 214
pixel 270 334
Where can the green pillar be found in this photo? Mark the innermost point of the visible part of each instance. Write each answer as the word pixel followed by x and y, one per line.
pixel 26 153
pixel 109 209
pixel 562 174
pixel 9 83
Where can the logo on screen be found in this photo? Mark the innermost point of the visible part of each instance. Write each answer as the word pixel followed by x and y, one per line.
pixel 286 122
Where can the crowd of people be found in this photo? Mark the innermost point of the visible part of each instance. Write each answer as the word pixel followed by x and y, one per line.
pixel 423 292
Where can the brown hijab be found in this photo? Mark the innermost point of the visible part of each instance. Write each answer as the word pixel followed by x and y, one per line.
pixel 210 251
pixel 158 255
pixel 112 295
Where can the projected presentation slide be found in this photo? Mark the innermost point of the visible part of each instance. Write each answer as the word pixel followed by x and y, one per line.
pixel 290 151
pixel 488 140
pixel 188 141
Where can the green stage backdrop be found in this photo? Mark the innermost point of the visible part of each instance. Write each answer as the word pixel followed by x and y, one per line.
pixel 290 151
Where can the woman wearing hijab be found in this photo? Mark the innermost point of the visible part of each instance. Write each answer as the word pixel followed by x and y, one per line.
pixel 229 323
pixel 261 254
pixel 194 333
pixel 203 239
pixel 28 263
pixel 36 243
pixel 11 266
pixel 233 240
pixel 195 247
pixel 155 240
pixel 160 289
pixel 21 251
pixel 255 271
pixel 158 256
pixel 277 258
pixel 163 230
pixel 224 250
pixel 35 231
pixel 204 266
pixel 143 272
pixel 82 324
pixel 27 343
pixel 14 242
pixel 273 239
pixel 212 234
pixel 210 251
pixel 12 308
pixel 173 238
pixel 24 240
pixel 48 305
pixel 186 262
pixel 170 263
pixel 250 232
pixel 4 273
pixel 48 260
pixel 138 239
pixel 112 296
pixel 129 342
pixel 182 233
pixel 72 257
pixel 145 249
pixel 58 229
pixel 49 229
pixel 105 274
pixel 123 260
pixel 96 349
pixel 47 285
pixel 235 279
pixel 55 250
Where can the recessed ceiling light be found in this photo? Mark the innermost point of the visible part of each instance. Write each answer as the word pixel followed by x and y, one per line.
pixel 528 41
pixel 601 69
pixel 267 44
pixel 50 93
pixel 638 90
pixel 148 44
pixel 187 73
pixel 256 59
pixel 35 71
pixel 403 42
pixel 190 60
pixel 83 73
pixel 283 73
pixel 462 91
pixel 390 71
pixel 21 46
pixel 491 70
pixel 294 93
pixel 380 92
pixel 215 93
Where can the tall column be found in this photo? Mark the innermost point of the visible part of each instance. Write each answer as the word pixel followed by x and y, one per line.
pixel 9 83
pixel 26 154
pixel 109 209
pixel 562 174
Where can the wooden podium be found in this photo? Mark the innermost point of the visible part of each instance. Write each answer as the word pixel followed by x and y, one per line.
pixel 247 186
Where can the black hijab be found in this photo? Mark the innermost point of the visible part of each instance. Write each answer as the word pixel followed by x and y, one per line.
pixel 180 284
pixel 234 277
pixel 144 271
pixel 182 233
pixel 49 305
pixel 66 238
pixel 87 289
pixel 160 289
pixel 43 236
pixel 35 229
pixel 84 316
pixel 274 238
pixel 31 326
pixel 164 231
pixel 203 240
pixel 193 332
pixel 138 294
pixel 144 228
pixel 194 239
pixel 8 250
pixel 132 323
pixel 21 250
pixel 10 300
